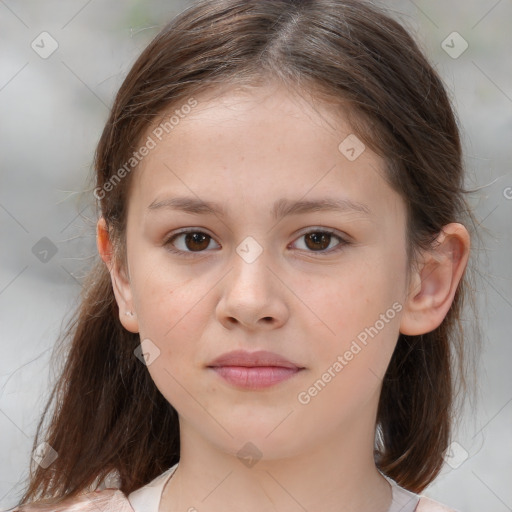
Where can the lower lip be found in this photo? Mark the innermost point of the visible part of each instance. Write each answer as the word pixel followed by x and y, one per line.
pixel 255 377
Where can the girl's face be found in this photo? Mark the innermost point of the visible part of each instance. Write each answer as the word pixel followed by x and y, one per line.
pixel 274 265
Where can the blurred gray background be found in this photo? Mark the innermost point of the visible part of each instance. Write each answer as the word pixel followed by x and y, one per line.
pixel 52 110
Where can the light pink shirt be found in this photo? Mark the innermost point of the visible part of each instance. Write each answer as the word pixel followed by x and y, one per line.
pixel 147 498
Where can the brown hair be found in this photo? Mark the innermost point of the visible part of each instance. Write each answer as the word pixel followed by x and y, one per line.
pixel 109 414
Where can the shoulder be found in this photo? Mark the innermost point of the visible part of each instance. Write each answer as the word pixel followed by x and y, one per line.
pixel 427 505
pixel 107 500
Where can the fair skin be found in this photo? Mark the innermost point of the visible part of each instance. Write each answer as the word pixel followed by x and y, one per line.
pixel 301 299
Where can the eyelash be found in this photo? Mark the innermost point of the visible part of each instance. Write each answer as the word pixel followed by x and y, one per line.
pixel 188 254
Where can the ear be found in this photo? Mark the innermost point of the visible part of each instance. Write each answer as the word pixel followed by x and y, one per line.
pixel 120 283
pixel 433 285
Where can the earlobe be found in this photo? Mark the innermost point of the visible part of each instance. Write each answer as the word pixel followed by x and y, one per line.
pixel 120 283
pixel 433 285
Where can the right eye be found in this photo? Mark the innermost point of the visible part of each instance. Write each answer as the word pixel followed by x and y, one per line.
pixel 189 241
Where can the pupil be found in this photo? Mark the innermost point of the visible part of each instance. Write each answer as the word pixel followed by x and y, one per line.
pixel 196 238
pixel 317 238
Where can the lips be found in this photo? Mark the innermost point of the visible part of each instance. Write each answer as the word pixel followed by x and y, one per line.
pixel 253 370
pixel 252 359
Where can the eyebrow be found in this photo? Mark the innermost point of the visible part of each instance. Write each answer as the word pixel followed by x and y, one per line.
pixel 282 207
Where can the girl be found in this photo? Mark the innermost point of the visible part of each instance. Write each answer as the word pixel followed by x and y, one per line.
pixel 283 268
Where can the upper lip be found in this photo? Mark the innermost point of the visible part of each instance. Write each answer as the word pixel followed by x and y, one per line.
pixel 259 358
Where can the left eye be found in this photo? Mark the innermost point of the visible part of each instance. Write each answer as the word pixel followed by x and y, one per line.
pixel 194 241
pixel 319 241
pixel 198 241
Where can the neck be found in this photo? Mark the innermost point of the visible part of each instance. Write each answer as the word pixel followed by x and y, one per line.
pixel 338 474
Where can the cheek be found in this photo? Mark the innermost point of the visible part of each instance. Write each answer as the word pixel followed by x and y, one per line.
pixel 358 313
pixel 351 299
pixel 172 316
pixel 168 307
pixel 347 370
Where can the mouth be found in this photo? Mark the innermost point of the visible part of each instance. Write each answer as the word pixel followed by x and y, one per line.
pixel 256 377
pixel 254 370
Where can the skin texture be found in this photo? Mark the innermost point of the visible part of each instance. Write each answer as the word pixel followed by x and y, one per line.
pixel 246 150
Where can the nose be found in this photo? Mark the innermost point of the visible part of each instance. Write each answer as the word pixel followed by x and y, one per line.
pixel 252 296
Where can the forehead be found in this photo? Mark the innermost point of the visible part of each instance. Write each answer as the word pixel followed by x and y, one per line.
pixel 263 142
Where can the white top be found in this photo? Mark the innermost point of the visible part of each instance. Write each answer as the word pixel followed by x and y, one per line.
pixel 147 498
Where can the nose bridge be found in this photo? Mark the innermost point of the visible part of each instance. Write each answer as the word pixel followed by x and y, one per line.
pixel 251 276
pixel 251 294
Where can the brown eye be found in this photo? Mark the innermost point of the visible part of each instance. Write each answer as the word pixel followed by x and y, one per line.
pixel 197 241
pixel 318 240
pixel 188 242
pixel 321 241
